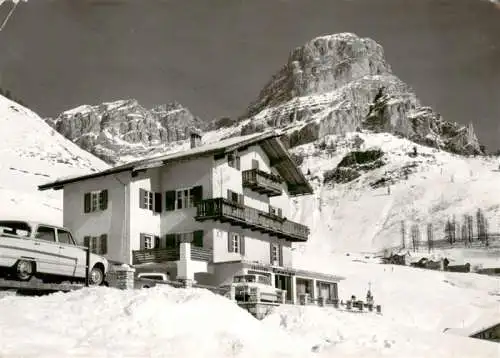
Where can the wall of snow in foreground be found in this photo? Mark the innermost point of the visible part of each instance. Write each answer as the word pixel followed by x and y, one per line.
pixel 168 322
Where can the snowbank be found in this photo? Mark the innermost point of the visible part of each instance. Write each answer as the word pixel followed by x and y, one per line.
pixel 169 322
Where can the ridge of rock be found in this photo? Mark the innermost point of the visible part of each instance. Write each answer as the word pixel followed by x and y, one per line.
pixel 121 129
pixel 341 83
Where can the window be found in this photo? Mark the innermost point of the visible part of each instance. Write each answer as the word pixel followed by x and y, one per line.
pixel 255 164
pixel 276 254
pixel 95 201
pixel 236 243
pixel 233 160
pixel 184 199
pixel 149 241
pixel 64 237
pixel 149 200
pixel 195 238
pixel 275 211
pixel 97 244
pixel 46 233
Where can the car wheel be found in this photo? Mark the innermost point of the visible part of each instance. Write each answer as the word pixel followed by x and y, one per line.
pixel 24 270
pixel 96 276
pixel 145 286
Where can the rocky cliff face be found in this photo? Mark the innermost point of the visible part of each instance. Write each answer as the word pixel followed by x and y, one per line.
pixel 341 83
pixel 116 130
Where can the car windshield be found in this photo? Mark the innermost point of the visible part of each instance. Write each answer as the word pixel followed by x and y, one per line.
pixel 19 228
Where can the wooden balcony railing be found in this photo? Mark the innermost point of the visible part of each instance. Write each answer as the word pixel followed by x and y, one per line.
pixel 227 211
pixel 171 254
pixel 262 182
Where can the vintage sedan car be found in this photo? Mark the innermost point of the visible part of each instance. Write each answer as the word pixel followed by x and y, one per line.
pixel 244 285
pixel 30 249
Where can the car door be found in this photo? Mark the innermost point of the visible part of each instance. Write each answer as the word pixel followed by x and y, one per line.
pixel 71 257
pixel 46 250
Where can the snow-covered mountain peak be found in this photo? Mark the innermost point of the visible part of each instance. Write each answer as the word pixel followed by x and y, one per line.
pixel 339 83
pixel 33 153
pixel 121 128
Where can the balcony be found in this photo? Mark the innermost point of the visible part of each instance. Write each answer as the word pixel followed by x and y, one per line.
pixel 223 210
pixel 262 182
pixel 166 255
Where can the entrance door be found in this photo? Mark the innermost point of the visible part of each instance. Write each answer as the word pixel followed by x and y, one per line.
pixel 284 282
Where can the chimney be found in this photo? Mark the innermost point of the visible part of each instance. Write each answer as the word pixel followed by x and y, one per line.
pixel 195 139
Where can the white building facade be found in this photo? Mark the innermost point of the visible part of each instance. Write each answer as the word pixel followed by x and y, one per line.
pixel 204 214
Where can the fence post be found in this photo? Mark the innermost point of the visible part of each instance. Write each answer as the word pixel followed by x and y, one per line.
pixel 87 266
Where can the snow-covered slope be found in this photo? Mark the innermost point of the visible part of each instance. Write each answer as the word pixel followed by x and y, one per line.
pixel 33 153
pixel 168 322
pixel 428 188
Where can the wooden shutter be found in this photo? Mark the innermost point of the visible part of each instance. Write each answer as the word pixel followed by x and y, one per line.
pixel 104 244
pixel 230 160
pixel 241 199
pixel 198 238
pixel 103 199
pixel 157 203
pixel 230 247
pixel 280 212
pixel 238 162
pixel 271 253
pixel 280 253
pixel 242 245
pixel 170 200
pixel 170 241
pixel 86 241
pixel 157 242
pixel 142 198
pixel 197 193
pixel 255 164
pixel 142 242
pixel 229 195
pixel 86 203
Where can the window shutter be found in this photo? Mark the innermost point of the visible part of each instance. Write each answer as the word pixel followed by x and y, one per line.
pixel 170 241
pixel 143 242
pixel 271 253
pixel 230 159
pixel 230 247
pixel 198 238
pixel 104 244
pixel 86 241
pixel 280 251
pixel 86 205
pixel 280 212
pixel 157 242
pixel 229 195
pixel 157 203
pixel 241 199
pixel 142 198
pixel 103 199
pixel 238 163
pixel 255 164
pixel 242 245
pixel 170 200
pixel 197 193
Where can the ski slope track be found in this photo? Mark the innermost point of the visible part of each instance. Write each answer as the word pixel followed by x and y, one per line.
pixel 31 154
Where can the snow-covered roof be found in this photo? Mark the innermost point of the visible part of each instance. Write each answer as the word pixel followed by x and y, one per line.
pixel 481 324
pixel 269 140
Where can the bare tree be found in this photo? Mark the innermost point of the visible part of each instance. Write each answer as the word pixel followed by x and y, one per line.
pixel 470 228
pixel 449 231
pixel 415 236
pixel 430 236
pixel 403 234
pixel 481 225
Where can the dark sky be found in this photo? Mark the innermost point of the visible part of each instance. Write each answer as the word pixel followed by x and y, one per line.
pixel 214 56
